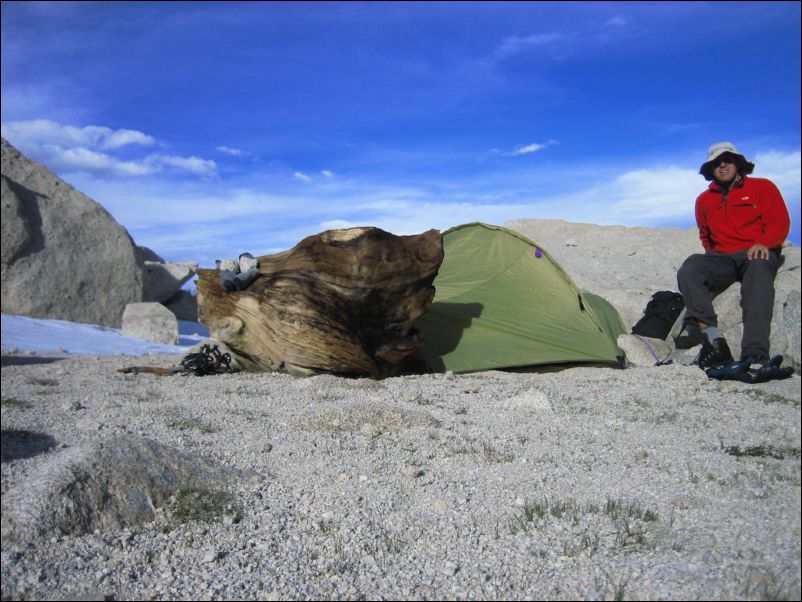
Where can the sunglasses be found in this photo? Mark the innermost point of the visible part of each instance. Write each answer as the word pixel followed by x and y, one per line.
pixel 728 159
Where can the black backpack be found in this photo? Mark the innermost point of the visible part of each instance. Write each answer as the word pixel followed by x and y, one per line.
pixel 660 314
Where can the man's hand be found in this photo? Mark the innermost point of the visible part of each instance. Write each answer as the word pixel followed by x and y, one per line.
pixel 757 251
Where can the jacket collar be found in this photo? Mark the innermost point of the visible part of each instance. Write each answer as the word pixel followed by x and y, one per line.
pixel 714 186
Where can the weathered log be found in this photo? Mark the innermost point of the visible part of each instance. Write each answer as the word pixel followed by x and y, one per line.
pixel 341 302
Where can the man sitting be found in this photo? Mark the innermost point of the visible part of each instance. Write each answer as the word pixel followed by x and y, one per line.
pixel 743 222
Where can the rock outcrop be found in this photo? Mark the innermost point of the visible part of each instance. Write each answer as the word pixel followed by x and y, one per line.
pixel 107 485
pixel 151 322
pixel 162 282
pixel 627 265
pixel 63 255
pixel 184 305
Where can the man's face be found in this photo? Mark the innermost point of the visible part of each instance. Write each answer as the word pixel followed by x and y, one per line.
pixel 725 170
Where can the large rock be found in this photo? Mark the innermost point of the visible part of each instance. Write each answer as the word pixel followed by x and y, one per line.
pixel 106 485
pixel 163 280
pixel 63 255
pixel 150 321
pixel 627 265
pixel 184 305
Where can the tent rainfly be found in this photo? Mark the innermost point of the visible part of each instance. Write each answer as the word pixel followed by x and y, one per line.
pixel 502 302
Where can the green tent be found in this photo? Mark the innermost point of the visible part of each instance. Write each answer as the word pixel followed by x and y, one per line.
pixel 501 302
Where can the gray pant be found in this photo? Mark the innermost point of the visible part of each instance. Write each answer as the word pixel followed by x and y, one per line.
pixel 232 281
pixel 703 277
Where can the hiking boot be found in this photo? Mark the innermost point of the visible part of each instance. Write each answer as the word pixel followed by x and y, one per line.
pixel 762 370
pixel 714 355
pixel 690 336
pixel 730 370
pixel 758 363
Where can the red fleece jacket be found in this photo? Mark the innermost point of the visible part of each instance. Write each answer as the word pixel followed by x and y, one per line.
pixel 753 212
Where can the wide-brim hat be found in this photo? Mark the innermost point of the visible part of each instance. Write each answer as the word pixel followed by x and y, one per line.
pixel 721 148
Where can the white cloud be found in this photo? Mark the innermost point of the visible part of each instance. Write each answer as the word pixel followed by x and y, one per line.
pixel 585 38
pixel 515 45
pixel 71 149
pixel 650 195
pixel 62 100
pixel 227 150
pixel 120 138
pixel 76 160
pixel 784 169
pixel 617 21
pixel 326 173
pixel 195 165
pixel 203 220
pixel 531 148
pixel 44 131
pixel 337 224
pixel 81 159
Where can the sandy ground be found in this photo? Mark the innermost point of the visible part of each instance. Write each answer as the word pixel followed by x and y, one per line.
pixel 586 483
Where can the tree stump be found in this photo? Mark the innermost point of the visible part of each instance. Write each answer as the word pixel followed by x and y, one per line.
pixel 341 302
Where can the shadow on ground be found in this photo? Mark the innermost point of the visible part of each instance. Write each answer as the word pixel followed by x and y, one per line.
pixel 18 445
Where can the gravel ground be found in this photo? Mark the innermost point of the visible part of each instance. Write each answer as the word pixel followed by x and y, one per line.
pixel 588 483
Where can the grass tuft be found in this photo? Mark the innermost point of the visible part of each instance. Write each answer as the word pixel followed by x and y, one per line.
pixel 202 505
pixel 13 402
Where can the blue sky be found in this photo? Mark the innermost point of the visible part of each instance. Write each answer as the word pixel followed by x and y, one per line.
pixel 208 129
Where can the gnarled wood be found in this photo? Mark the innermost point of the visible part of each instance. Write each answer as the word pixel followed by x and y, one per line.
pixel 342 302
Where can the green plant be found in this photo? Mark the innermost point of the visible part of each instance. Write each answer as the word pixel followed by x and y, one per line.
pixel 149 396
pixel 588 542
pixel 202 505
pixel 492 455
pixel 392 544
pixel 617 585
pixel 560 507
pixel 762 451
pixel 527 514
pixel 13 402
pixel 667 418
pixel 769 585
pixel 420 400
pixel 766 397
pixel 631 521
pixel 183 423
pixel 617 509
pixel 383 546
pixel 630 533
